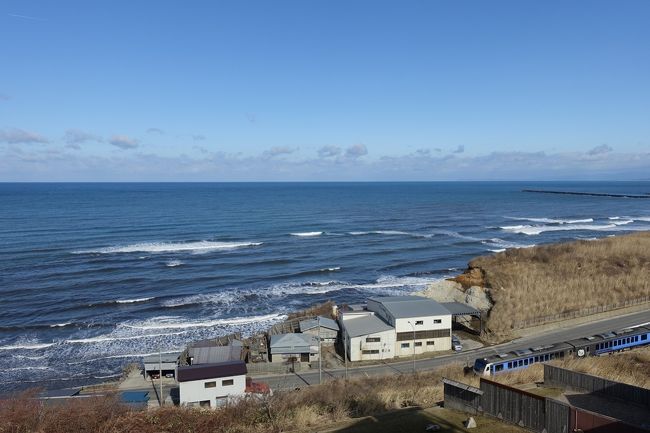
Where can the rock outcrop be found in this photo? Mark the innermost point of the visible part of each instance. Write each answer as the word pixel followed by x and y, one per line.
pixel 453 291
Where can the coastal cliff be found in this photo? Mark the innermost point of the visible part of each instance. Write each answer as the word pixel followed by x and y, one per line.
pixel 531 286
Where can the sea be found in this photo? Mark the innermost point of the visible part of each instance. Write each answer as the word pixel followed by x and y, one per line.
pixel 94 276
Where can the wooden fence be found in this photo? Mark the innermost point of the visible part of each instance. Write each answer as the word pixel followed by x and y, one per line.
pixel 462 397
pixel 563 378
pixel 513 405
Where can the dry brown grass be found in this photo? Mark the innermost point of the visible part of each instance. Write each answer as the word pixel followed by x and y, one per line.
pixel 534 282
pixel 315 406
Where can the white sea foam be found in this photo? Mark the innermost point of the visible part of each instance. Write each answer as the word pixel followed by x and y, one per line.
pixel 174 263
pixel 306 234
pixel 167 247
pixel 503 244
pixel 553 220
pixel 27 368
pixel 622 222
pixel 132 301
pixel 335 268
pixel 27 346
pixel 60 325
pixel 535 230
pixel 178 322
pixel 110 337
pixel 392 233
pixel 498 250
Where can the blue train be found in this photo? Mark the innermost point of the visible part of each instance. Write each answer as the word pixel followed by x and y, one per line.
pixel 588 346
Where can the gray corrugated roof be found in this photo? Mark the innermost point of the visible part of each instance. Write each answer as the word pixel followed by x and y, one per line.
pixel 166 357
pixel 365 325
pixel 460 309
pixel 325 322
pixel 402 307
pixel 292 343
pixel 209 355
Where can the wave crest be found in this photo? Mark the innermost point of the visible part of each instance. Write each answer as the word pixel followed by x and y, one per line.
pixel 170 247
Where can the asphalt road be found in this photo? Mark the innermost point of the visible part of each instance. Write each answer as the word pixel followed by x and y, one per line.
pixel 311 377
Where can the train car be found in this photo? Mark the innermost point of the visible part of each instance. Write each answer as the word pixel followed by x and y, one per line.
pixel 595 345
pixel 519 359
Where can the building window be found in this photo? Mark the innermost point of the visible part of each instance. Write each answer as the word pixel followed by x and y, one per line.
pixel 430 343
pixel 419 322
pixel 227 382
pixel 210 384
pixel 205 403
pixel 406 345
pixel 418 344
pixel 373 339
pixel 370 352
pixel 424 334
pixel 437 320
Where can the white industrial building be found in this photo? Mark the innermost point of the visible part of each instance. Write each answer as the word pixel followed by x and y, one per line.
pixel 421 324
pixel 211 385
pixel 366 336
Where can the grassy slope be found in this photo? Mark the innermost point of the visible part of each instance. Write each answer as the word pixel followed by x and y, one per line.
pixel 534 282
pixel 310 408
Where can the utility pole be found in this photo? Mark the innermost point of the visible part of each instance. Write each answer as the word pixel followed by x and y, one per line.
pixel 160 374
pixel 320 356
pixel 412 326
pixel 345 350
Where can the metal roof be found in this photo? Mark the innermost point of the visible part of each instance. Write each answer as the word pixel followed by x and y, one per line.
pixel 460 309
pixel 462 386
pixel 211 371
pixel 325 322
pixel 292 343
pixel 365 325
pixel 402 307
pixel 135 396
pixel 211 355
pixel 166 357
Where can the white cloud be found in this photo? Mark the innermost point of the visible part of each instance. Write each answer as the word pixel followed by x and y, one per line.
pixel 124 142
pixel 600 150
pixel 356 151
pixel 75 137
pixel 20 136
pixel 459 149
pixel 278 150
pixel 329 151
pixel 155 131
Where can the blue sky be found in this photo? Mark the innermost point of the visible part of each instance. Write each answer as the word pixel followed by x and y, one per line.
pixel 324 90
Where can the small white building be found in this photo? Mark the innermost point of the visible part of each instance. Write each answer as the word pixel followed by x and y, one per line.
pixel 211 385
pixel 293 347
pixel 366 336
pixel 327 328
pixel 421 324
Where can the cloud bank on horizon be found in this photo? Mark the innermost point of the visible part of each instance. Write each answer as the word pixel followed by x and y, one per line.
pixel 328 91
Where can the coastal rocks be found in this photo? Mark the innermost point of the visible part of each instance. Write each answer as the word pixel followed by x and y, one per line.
pixel 471 277
pixel 452 291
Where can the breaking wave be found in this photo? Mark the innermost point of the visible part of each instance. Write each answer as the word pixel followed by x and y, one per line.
pixel 553 220
pixel 535 230
pixel 133 301
pixel 174 263
pixel 170 247
pixel 501 245
pixel 306 234
pixel 182 323
pixel 392 233
pixel 27 346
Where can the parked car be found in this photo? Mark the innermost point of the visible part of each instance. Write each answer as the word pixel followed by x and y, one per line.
pixel 456 344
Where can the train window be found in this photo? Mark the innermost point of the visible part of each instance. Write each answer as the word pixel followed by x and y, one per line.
pixel 644 337
pixel 510 365
pixel 629 340
pixel 499 367
pixel 525 362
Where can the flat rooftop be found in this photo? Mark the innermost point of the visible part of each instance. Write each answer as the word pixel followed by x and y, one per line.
pixel 402 307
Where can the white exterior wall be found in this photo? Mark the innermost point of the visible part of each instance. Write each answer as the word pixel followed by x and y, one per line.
pixel 194 391
pixel 443 343
pixel 386 346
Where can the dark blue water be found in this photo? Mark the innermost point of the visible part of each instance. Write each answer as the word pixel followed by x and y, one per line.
pixel 92 276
